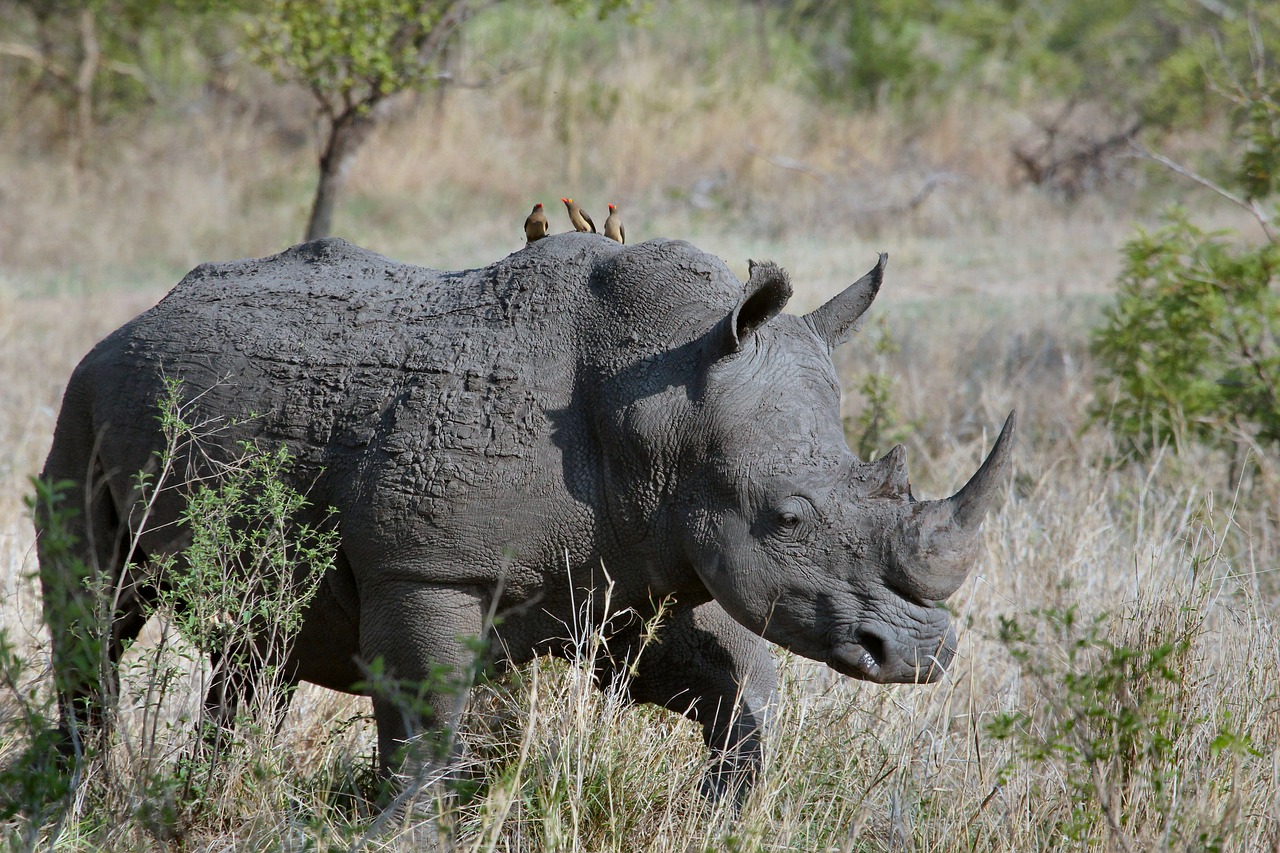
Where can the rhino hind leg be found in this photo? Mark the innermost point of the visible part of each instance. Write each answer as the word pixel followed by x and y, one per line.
pixel 706 666
pixel 235 680
pixel 92 602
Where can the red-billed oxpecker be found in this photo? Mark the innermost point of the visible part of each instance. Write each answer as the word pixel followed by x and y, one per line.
pixel 581 221
pixel 613 226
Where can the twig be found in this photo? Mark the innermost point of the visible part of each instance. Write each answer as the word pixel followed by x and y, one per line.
pixel 995 790
pixel 790 164
pixel 133 72
pixel 31 54
pixel 930 184
pixel 492 79
pixel 969 823
pixel 1215 7
pixel 1251 206
pixel 1108 811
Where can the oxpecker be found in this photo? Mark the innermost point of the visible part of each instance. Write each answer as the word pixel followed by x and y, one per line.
pixel 613 226
pixel 581 221
pixel 536 224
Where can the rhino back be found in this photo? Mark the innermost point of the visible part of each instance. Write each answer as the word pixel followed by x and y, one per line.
pixel 408 395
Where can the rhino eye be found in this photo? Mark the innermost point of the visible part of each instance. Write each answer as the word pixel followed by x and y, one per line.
pixel 792 516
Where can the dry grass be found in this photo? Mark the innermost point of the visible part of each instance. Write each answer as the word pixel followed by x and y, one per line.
pixel 990 293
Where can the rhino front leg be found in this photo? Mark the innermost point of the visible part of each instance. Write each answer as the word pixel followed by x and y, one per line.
pixel 706 666
pixel 420 642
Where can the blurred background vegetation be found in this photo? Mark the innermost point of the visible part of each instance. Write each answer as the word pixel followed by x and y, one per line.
pixel 710 108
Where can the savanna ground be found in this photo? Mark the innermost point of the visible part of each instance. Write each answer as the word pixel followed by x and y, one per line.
pixel 1116 685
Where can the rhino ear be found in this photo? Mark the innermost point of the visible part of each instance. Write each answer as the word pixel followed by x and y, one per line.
pixel 838 319
pixel 766 293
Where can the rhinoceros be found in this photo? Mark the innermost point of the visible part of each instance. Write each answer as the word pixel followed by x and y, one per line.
pixel 500 440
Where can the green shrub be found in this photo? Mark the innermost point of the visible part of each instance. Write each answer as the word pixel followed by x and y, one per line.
pixel 1189 350
pixel 34 783
pixel 866 52
pixel 1116 724
pixel 235 595
pixel 878 425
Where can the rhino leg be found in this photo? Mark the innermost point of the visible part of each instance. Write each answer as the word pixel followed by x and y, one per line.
pixel 86 574
pixel 420 642
pixel 706 666
pixel 325 651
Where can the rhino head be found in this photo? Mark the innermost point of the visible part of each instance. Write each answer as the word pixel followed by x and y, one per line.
pixel 799 540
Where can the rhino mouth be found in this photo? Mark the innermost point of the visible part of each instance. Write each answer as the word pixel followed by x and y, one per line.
pixel 868 657
pixel 856 662
pixel 864 658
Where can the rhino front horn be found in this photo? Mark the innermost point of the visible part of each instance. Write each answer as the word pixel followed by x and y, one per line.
pixel 938 545
pixel 836 320
pixel 969 505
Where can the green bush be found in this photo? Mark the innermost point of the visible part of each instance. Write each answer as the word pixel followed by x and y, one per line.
pixel 34 784
pixel 1145 59
pixel 1116 723
pixel 878 425
pixel 1189 350
pixel 866 52
pixel 234 596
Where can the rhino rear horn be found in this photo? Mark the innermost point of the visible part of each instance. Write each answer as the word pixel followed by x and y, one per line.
pixel 764 296
pixel 888 474
pixel 838 319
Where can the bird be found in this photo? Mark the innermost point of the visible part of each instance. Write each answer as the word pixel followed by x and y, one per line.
pixel 581 221
pixel 613 226
pixel 536 224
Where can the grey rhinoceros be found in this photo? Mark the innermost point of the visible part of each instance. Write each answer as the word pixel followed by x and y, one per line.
pixel 515 432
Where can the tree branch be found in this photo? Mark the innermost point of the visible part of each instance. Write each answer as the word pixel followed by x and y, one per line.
pixel 1254 209
pixel 29 53
pixel 790 164
pixel 485 82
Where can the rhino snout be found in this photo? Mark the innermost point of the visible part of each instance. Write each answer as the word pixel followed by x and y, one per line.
pixel 873 654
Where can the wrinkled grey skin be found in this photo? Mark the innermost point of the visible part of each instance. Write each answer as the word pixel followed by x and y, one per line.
pixel 508 432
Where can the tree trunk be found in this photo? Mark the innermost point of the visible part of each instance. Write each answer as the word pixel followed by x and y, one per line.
pixel 346 134
pixel 762 38
pixel 90 56
pixel 450 64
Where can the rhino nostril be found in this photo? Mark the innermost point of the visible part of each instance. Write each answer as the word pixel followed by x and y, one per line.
pixel 874 645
